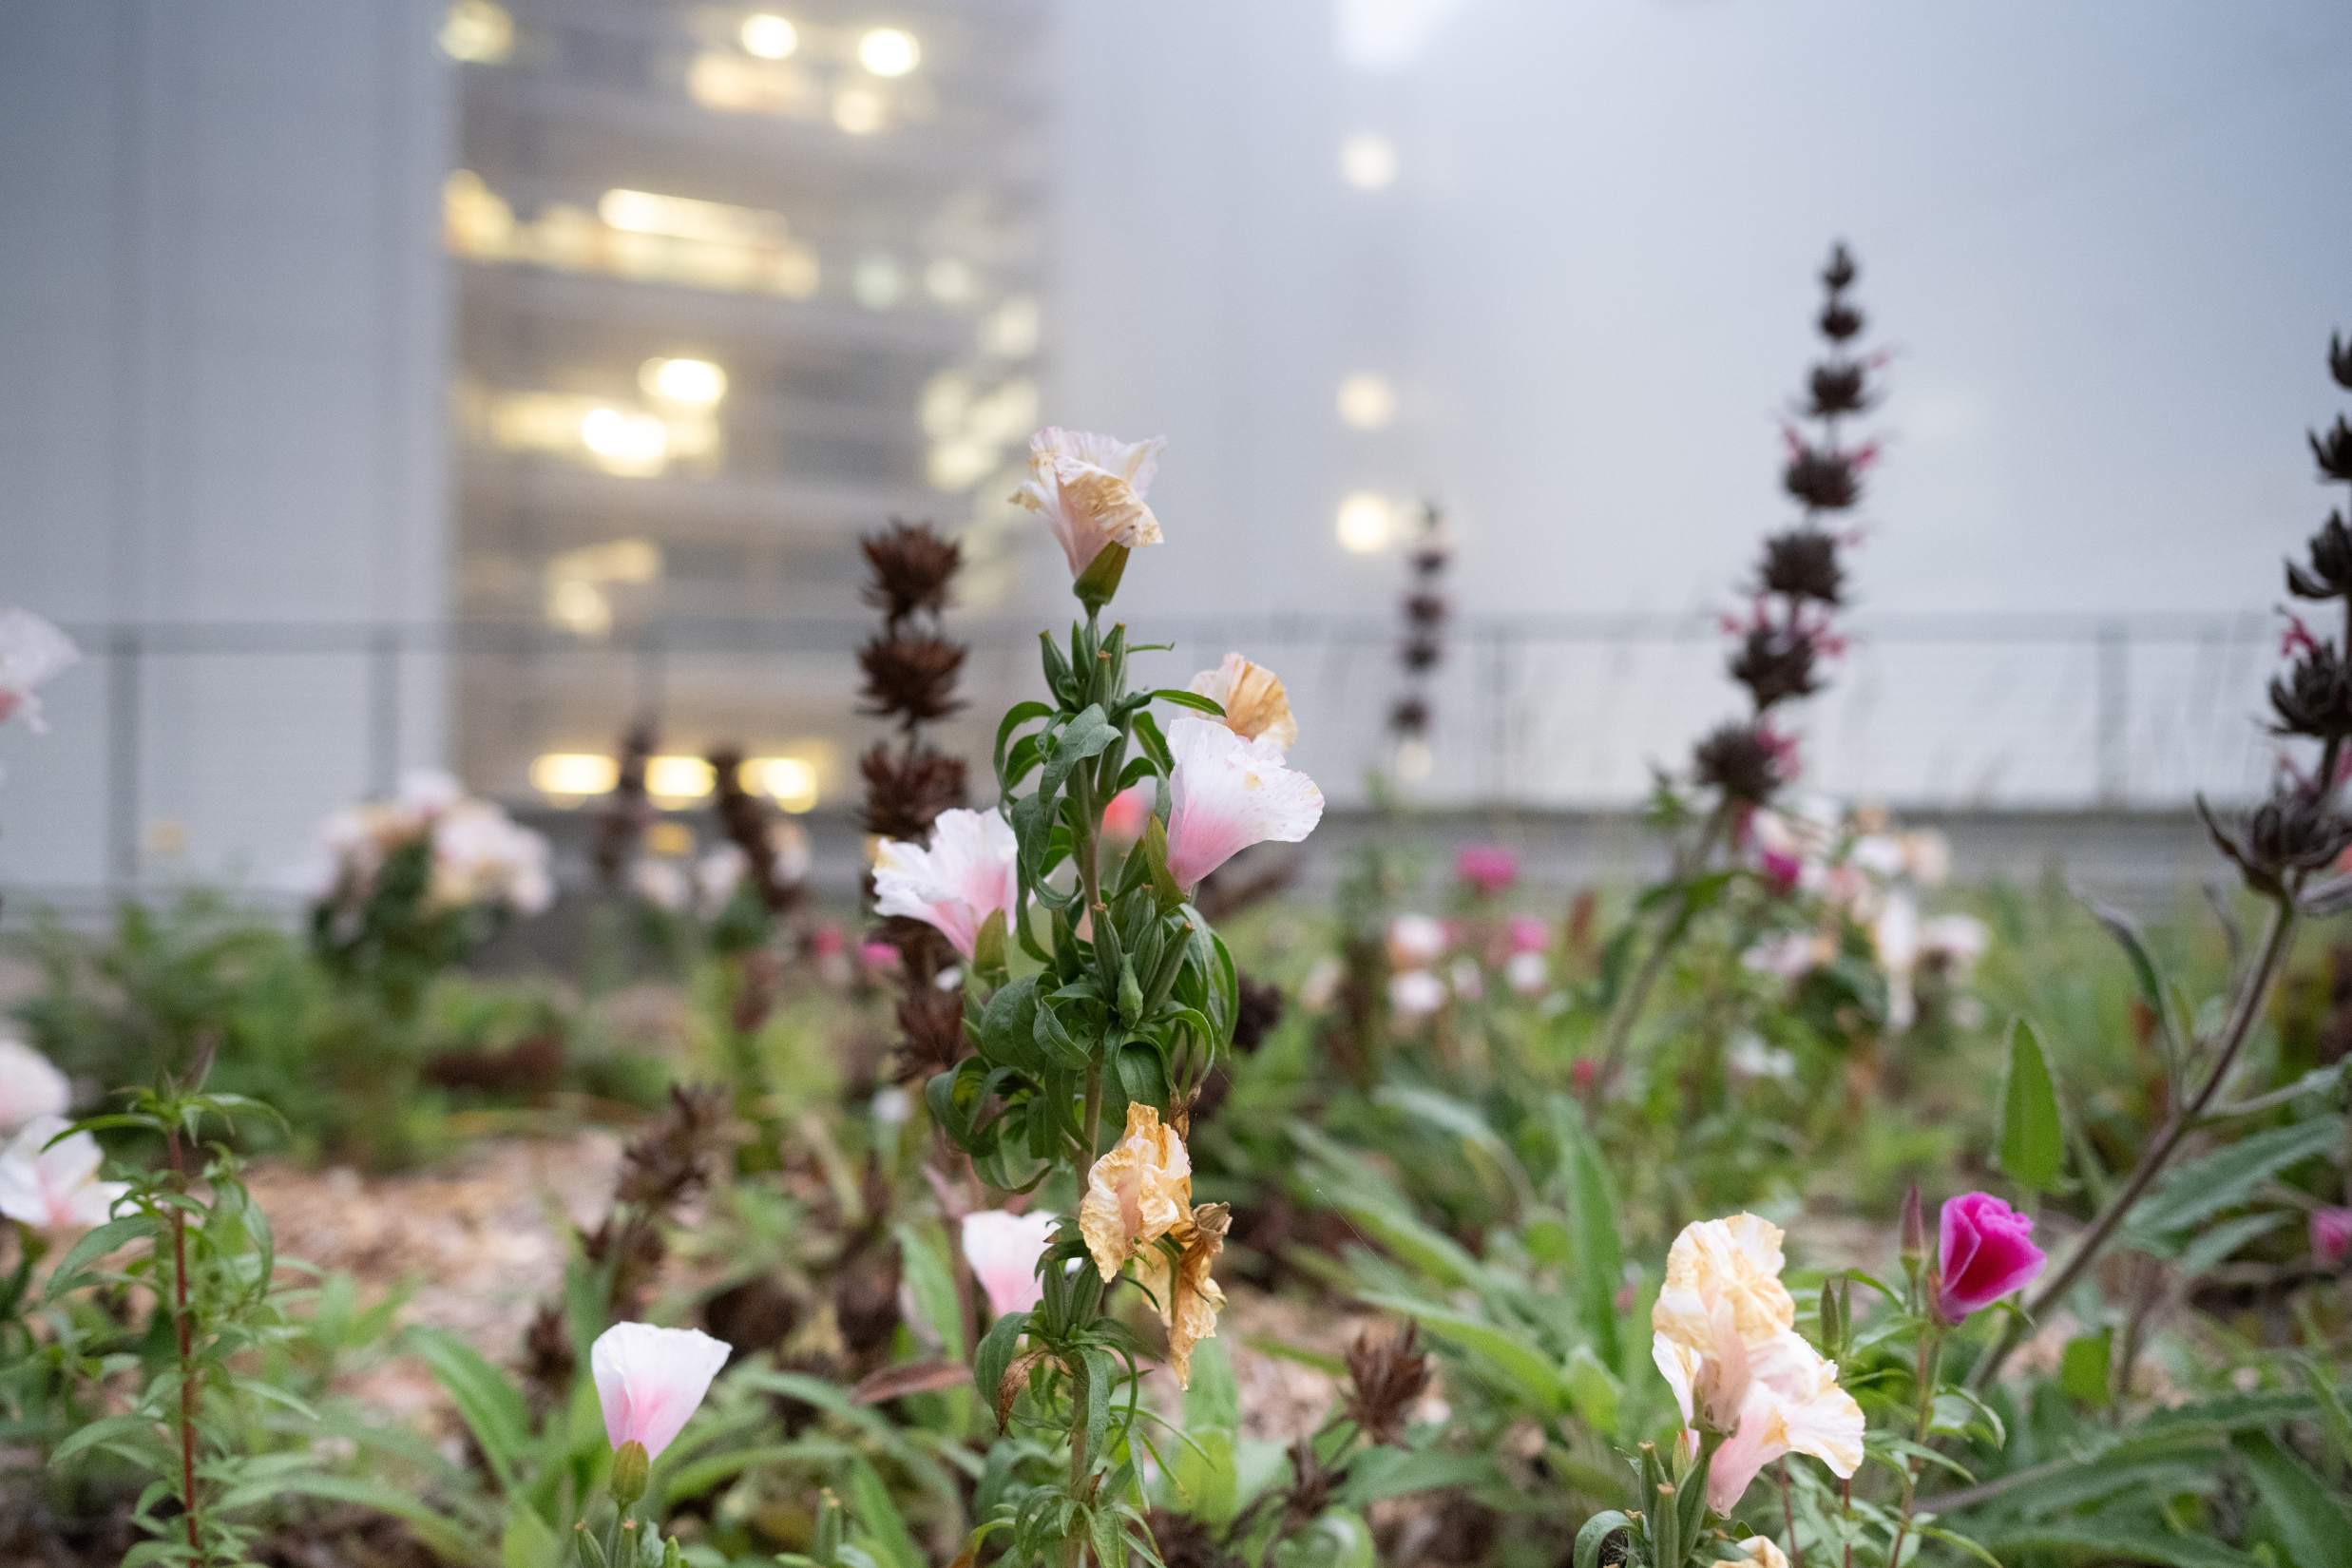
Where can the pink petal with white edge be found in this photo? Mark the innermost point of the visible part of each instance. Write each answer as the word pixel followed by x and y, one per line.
pixel 650 1381
pixel 1229 794
pixel 1002 1249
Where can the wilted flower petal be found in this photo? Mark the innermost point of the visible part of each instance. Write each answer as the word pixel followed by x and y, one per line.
pixel 964 876
pixel 1188 1300
pixel 1091 489
pixel 1229 794
pixel 650 1381
pixel 1137 1192
pixel 1255 704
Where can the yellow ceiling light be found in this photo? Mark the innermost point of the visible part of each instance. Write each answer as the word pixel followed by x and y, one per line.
pixel 695 381
pixel 1367 401
pixel 688 218
pixel 670 777
pixel 572 775
pixel 770 36
pixel 1365 523
pixel 1367 162
pixel 631 444
pixel 889 52
pixel 790 781
pixel 477 32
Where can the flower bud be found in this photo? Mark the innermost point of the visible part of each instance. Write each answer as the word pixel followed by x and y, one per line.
pixel 1914 1230
pixel 632 1467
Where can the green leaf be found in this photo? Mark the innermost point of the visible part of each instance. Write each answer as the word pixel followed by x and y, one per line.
pixel 96 1244
pixel 489 1405
pixel 2131 1542
pixel 931 1281
pixel 879 1518
pixel 1595 1535
pixel 1082 738
pixel 1593 1216
pixel 1190 699
pixel 2032 1142
pixel 2206 1186
pixel 2083 1368
pixel 2313 1523
pixel 1503 1356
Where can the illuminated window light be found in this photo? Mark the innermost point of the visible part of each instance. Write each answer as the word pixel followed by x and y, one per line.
pixel 858 110
pixel 685 218
pixel 477 32
pixel 949 280
pixel 889 52
pixel 790 781
pixel 959 464
pixel 1011 329
pixel 578 605
pixel 1367 401
pixel 635 444
pixel 946 396
pixel 770 36
pixel 794 272
pixel 1006 416
pixel 676 777
pixel 669 839
pixel 879 282
pixel 1415 761
pixel 1367 162
pixel 1365 523
pixel 695 381
pixel 573 775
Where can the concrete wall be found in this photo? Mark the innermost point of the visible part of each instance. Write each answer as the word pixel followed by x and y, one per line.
pixel 222 350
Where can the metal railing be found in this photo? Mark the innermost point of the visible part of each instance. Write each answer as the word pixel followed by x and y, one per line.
pixel 240 736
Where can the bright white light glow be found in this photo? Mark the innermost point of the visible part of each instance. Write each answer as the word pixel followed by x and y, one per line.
pixel 571 775
pixel 1367 401
pixel 889 52
pixel 696 381
pixel 858 110
pixel 676 777
pixel 1365 523
pixel 769 36
pixel 879 282
pixel 1367 162
pixel 949 280
pixel 1011 329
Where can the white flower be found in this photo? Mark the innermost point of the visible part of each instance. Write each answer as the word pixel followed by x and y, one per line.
pixel 1252 696
pixel 1321 986
pixel 1002 1250
pixel 30 1085
pixel 1750 1056
pixel 1228 793
pixel 428 792
pixel 1415 941
pixel 1527 973
pixel 1760 1552
pixel 892 1105
pixel 663 884
pixel 1090 489
pixel 481 856
pixel 1895 934
pixel 1792 956
pixel 1957 941
pixel 1724 1339
pixel 1926 857
pixel 31 653
pixel 955 885
pixel 55 1188
pixel 1415 993
pixel 650 1381
pixel 1879 854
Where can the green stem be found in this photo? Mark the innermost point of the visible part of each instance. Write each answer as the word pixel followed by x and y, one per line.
pixel 1074 1548
pixel 1628 1010
pixel 1929 1368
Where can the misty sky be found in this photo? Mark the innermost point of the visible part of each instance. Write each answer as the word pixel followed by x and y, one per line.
pixel 2106 241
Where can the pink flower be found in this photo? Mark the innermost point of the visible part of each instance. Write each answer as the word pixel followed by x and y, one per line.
pixel 1984 1251
pixel 828 941
pixel 1128 809
pixel 1528 934
pixel 1416 941
pixel 964 876
pixel 1226 793
pixel 651 1380
pixel 55 1186
pixel 32 652
pixel 1488 868
pixel 878 956
pixel 1002 1249
pixel 2332 1237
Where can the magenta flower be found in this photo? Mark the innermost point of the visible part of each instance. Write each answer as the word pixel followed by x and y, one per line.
pixel 2332 1237
pixel 1984 1251
pixel 1489 867
pixel 1528 934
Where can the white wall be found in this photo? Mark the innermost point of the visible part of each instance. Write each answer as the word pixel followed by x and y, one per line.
pixel 222 349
